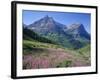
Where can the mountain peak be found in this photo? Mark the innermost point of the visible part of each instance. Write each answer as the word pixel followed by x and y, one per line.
pixel 76 26
pixel 50 28
pixel 77 30
pixel 48 18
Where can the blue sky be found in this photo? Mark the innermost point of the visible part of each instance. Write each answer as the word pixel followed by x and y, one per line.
pixel 66 18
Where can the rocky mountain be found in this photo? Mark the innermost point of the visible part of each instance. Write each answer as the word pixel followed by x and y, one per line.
pixel 77 31
pixel 74 36
pixel 47 25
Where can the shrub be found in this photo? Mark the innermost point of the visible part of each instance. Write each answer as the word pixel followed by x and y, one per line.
pixel 65 63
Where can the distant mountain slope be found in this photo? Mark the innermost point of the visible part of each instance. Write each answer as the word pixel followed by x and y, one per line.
pixel 78 31
pixel 79 37
pixel 74 37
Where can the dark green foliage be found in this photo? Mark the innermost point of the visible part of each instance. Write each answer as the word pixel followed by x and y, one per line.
pixel 30 35
pixel 54 38
pixel 27 46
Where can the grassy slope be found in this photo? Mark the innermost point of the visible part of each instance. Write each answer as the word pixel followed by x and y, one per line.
pixel 85 52
pixel 39 52
pixel 28 45
pixel 45 55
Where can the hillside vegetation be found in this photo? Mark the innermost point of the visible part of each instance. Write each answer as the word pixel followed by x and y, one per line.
pixel 40 52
